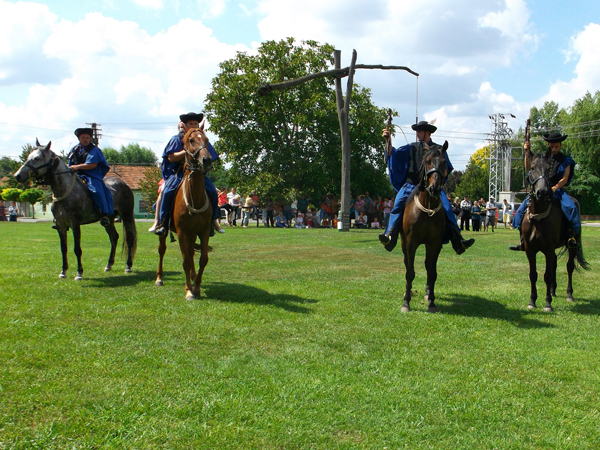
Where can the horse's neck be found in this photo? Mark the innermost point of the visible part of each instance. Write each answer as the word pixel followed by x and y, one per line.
pixel 427 200
pixel 197 186
pixel 61 178
pixel 538 206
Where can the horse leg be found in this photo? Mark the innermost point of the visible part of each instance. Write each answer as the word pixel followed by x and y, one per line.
pixel 162 248
pixel 570 268
pixel 129 239
pixel 409 264
pixel 114 238
pixel 431 256
pixel 532 279
pixel 77 250
pixel 550 279
pixel 202 262
pixel 187 252
pixel 62 233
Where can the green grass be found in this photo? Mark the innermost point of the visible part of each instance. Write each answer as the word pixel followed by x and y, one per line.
pixel 297 342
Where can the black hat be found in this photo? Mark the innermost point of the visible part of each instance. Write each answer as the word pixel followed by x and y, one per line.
pixel 425 126
pixel 554 137
pixel 80 131
pixel 191 116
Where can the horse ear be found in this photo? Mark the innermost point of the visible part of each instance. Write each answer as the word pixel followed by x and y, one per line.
pixel 37 143
pixel 445 147
pixel 201 126
pixel 48 146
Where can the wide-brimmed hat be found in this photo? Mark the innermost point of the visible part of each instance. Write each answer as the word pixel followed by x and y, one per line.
pixel 80 131
pixel 191 116
pixel 554 137
pixel 425 126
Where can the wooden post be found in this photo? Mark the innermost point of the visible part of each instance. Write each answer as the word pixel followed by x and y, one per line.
pixel 343 109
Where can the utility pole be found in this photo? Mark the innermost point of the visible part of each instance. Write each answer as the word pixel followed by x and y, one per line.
pixel 96 135
pixel 500 155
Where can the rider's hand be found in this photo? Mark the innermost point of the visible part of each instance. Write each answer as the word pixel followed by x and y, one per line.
pixel 527 145
pixel 386 134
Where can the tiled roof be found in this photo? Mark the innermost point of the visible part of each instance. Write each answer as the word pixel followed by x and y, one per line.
pixel 132 175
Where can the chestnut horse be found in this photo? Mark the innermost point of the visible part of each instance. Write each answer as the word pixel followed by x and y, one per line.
pixel 192 213
pixel 545 228
pixel 424 222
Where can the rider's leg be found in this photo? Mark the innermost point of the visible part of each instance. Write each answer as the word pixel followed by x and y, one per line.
pixel 569 209
pixel 168 197
pixel 517 221
pixel 390 237
pixel 213 196
pixel 452 230
pixel 156 213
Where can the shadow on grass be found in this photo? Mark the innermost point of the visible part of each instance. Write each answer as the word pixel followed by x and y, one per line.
pixel 239 293
pixel 113 280
pixel 475 306
pixel 586 306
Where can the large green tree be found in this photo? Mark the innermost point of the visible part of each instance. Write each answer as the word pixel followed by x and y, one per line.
pixel 131 154
pixel 288 141
pixel 475 180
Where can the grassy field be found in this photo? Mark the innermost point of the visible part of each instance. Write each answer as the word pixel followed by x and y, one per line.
pixel 297 343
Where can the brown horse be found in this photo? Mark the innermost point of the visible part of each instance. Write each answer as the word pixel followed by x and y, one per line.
pixel 192 214
pixel 545 228
pixel 424 222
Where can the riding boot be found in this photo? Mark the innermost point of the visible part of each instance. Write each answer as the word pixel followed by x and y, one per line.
pixel 519 247
pixel 390 240
pixel 574 241
pixel 458 243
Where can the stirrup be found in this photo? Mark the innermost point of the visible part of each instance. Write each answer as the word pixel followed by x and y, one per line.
pixel 572 243
pixel 104 221
pixel 384 239
pixel 517 248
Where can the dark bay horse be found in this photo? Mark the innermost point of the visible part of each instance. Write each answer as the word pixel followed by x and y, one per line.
pixel 545 228
pixel 192 213
pixel 424 222
pixel 73 205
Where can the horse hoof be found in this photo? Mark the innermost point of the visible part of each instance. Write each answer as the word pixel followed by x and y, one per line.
pixel 531 306
pixel 158 283
pixel 405 309
pixel 78 278
pixel 128 270
pixel 548 309
pixel 107 269
pixel 432 309
pixel 61 275
pixel 570 299
pixel 190 296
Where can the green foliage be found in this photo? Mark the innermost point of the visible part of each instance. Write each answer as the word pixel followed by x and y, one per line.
pixel 475 180
pixel 452 182
pixel 149 184
pixel 8 166
pixel 132 154
pixel 31 196
pixel 289 141
pixel 11 194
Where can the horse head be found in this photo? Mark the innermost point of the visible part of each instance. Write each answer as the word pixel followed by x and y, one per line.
pixel 434 170
pixel 539 177
pixel 38 163
pixel 197 156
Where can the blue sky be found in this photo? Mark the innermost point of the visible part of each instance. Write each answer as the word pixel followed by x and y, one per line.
pixel 64 63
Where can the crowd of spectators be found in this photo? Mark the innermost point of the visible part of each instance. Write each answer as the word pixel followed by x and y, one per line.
pixel 366 211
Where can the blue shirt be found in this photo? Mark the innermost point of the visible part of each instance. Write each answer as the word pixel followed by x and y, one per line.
pixel 94 156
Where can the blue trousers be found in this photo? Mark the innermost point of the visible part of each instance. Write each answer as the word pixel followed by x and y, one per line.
pixel 100 194
pixel 170 191
pixel 567 205
pixel 400 203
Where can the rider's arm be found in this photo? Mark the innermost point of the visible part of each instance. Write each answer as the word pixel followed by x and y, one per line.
pixel 388 143
pixel 563 180
pixel 176 156
pixel 527 159
pixel 87 166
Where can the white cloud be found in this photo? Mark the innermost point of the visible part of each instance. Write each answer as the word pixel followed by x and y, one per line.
pixel 584 47
pixel 152 4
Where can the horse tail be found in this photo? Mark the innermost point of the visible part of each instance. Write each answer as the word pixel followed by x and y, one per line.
pixel 581 262
pixel 129 232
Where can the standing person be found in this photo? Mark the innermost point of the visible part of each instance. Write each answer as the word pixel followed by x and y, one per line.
pixel 476 216
pixel 455 208
pixel 404 166
pixel 236 203
pixel 490 217
pixel 224 204
pixel 505 212
pixel 369 207
pixel 248 205
pixel 270 218
pixel 13 212
pixel 561 174
pixel 172 172
pixel 387 209
pixel 465 213
pixel 89 163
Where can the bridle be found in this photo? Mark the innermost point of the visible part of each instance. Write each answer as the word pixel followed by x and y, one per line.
pixel 193 165
pixel 532 194
pixel 428 210
pixel 35 172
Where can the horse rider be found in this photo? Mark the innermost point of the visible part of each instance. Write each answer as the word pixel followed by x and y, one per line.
pixel 404 166
pixel 562 169
pixel 89 163
pixel 172 172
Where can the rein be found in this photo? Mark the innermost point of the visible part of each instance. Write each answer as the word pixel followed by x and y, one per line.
pixel 190 205
pixel 539 216
pixel 193 166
